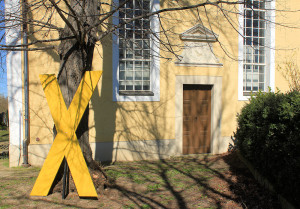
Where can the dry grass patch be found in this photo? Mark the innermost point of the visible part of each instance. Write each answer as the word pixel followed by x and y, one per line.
pixel 200 181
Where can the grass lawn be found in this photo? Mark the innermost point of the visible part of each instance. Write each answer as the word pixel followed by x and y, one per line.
pixel 4 140
pixel 198 181
pixel 4 136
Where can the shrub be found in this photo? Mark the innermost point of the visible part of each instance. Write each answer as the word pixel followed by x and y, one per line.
pixel 268 135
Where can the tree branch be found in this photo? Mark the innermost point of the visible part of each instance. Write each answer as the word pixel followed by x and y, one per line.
pixel 74 15
pixel 65 19
pixel 13 48
pixel 39 41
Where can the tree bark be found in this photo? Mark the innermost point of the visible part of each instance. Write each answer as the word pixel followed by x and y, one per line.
pixel 76 57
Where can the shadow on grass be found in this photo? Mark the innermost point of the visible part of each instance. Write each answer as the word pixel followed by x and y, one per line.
pixel 198 181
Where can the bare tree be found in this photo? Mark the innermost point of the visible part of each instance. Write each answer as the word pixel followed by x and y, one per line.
pixel 3 104
pixel 291 72
pixel 86 24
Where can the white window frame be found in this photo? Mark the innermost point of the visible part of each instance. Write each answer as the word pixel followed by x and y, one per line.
pixel 270 49
pixel 155 64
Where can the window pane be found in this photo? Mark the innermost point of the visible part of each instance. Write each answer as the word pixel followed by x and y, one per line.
pixel 146 24
pixel 255 68
pixel 138 54
pixel 121 53
pixel 261 69
pixel 261 41
pixel 255 78
pixel 256 59
pixel 248 41
pixel 248 32
pixel 137 13
pixel 146 44
pixel 138 65
pixel 129 4
pixel 122 75
pixel 128 53
pixel 255 32
pixel 248 14
pixel 129 33
pixel 146 5
pixel 134 51
pixel 254 46
pixel 121 65
pixel 255 14
pixel 146 85
pixel 262 24
pixel 261 77
pixel 255 41
pixel 129 13
pixel 146 65
pixel 262 32
pixel 139 4
pixel 262 86
pixel 129 26
pixel 261 59
pixel 122 85
pixel 121 14
pixel 138 86
pixel 255 87
pixel 249 58
pixel 255 23
pixel 248 68
pixel 262 15
pixel 121 43
pixel 138 34
pixel 147 54
pixel 138 23
pixel 129 75
pixel 146 75
pixel 139 44
pixel 129 87
pixel 122 32
pixel 248 23
pixel 129 65
pixel 248 87
pixel 255 4
pixel 138 75
pixel 261 51
pixel 262 5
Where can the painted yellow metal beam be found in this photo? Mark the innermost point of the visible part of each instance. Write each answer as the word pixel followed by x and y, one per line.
pixel 65 143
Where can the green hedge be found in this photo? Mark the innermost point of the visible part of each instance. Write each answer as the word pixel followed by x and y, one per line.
pixel 268 135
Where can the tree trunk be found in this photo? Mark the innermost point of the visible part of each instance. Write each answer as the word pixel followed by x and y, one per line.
pixel 76 57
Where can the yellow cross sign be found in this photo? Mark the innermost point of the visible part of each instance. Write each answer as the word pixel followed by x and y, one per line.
pixel 66 144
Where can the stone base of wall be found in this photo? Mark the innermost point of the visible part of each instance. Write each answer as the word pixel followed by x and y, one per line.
pixel 15 155
pixel 128 150
pixel 135 150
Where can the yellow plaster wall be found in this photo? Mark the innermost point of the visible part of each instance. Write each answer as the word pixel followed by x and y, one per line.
pixel 287 39
pixel 125 121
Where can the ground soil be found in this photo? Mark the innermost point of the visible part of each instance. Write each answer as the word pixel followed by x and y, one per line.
pixel 198 181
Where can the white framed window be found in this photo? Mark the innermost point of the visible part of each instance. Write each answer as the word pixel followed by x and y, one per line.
pixel 256 47
pixel 136 53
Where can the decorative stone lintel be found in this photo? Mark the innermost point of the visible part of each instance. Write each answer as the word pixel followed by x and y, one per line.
pixel 198 49
pixel 199 33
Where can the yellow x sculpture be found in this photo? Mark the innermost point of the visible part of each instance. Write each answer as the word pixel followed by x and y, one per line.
pixel 66 144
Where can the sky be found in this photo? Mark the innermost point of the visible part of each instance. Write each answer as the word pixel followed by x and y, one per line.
pixel 3 79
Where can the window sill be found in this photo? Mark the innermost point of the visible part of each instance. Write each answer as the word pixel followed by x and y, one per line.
pixel 136 93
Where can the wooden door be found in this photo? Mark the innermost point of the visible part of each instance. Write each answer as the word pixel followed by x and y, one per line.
pixel 196 119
